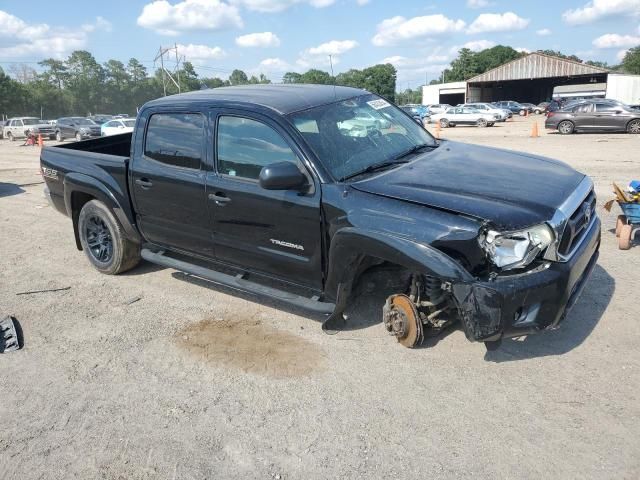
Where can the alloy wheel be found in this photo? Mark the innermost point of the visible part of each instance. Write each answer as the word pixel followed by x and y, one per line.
pixel 99 239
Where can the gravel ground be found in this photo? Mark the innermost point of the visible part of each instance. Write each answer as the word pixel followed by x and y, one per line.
pixel 147 375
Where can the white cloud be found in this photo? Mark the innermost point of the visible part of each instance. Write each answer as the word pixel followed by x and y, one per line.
pixel 272 6
pixel 260 40
pixel 334 47
pixel 477 45
pixel 497 22
pixel 478 3
pixel 415 63
pixel 274 65
pixel 416 70
pixel 362 2
pixel 201 52
pixel 188 15
pixel 543 32
pixel 613 40
pixel 398 29
pixel 597 9
pixel 522 50
pixel 21 39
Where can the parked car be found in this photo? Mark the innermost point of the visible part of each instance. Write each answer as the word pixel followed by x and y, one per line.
pixel 594 115
pixel 514 107
pixel 464 116
pixel 499 114
pixel 531 108
pixel 422 111
pixel 100 118
pixel 22 127
pixel 541 108
pixel 79 128
pixel 117 126
pixel 261 179
pixel 414 115
pixel 438 107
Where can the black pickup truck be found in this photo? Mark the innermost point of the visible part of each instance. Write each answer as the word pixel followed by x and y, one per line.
pixel 294 191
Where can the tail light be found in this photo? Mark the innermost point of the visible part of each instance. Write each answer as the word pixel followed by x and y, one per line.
pixel 550 114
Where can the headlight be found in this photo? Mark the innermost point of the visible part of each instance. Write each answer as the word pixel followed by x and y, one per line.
pixel 511 250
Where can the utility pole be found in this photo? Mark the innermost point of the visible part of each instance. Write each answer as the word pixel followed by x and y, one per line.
pixel 166 73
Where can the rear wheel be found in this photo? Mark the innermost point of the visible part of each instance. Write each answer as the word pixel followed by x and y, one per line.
pixel 565 127
pixel 10 136
pixel 103 240
pixel 59 137
pixel 522 113
pixel 620 222
pixel 624 241
pixel 538 111
pixel 633 127
pixel 481 122
pixel 444 123
pixel 78 137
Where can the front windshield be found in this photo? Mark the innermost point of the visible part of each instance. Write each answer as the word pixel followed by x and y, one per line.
pixel 351 135
pixel 30 121
pixel 83 121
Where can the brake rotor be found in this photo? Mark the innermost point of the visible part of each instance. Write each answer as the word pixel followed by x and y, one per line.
pixel 401 320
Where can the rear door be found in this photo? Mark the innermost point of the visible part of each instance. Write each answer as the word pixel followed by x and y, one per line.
pixel 583 117
pixel 167 178
pixel 273 232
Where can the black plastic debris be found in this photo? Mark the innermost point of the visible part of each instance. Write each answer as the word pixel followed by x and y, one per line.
pixel 10 335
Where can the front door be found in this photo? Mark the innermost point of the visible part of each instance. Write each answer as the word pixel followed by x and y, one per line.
pixel 167 179
pixel 273 232
pixel 608 116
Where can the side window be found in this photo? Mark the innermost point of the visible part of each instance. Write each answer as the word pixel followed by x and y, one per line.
pixel 245 146
pixel 175 139
pixel 605 107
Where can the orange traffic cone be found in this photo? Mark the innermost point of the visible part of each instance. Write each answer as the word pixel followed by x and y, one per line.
pixel 534 130
pixel 40 143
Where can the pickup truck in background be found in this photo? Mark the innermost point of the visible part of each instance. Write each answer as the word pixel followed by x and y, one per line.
pixel 252 186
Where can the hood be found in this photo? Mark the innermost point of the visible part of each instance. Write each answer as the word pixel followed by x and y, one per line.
pixel 509 189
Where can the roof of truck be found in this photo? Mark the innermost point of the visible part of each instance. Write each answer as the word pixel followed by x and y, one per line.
pixel 284 98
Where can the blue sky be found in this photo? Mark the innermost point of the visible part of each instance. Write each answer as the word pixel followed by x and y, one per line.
pixel 274 36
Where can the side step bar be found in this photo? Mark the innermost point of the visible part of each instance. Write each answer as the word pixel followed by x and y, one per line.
pixel 237 282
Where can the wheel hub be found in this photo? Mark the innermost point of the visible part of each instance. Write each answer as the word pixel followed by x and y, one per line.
pixel 99 239
pixel 401 320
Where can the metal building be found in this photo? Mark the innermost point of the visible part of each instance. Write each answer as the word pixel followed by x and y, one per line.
pixel 535 78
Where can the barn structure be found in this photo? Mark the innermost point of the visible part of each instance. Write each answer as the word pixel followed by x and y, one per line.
pixel 535 78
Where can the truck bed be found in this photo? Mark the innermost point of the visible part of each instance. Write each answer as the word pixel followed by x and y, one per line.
pixel 116 145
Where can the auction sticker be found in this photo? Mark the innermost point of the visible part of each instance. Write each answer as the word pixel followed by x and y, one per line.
pixel 378 104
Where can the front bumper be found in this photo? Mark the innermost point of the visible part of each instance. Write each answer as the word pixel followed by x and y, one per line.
pixel 522 304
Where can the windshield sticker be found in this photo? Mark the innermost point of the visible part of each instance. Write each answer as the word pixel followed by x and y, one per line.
pixel 378 104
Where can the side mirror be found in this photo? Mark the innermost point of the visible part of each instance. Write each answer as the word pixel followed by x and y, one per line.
pixel 282 176
pixel 418 121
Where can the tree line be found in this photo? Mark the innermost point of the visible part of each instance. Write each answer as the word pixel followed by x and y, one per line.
pixel 80 85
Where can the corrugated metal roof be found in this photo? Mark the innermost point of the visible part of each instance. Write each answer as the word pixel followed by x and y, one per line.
pixel 537 65
pixel 587 87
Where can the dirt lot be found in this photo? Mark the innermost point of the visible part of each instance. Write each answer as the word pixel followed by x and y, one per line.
pixel 190 382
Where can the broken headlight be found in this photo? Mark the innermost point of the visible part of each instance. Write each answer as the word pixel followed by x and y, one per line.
pixel 511 250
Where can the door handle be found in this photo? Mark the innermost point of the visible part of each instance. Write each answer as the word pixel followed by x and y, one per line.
pixel 220 198
pixel 144 182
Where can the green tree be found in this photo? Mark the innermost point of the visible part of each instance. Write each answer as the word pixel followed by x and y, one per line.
pixel 56 71
pixel 409 96
pixel 12 96
pixel 317 77
pixel 238 77
pixel 215 82
pixel 291 77
pixel 631 61
pixel 380 79
pixel 555 53
pixel 85 81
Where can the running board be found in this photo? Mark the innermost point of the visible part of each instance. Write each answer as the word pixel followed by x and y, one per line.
pixel 237 282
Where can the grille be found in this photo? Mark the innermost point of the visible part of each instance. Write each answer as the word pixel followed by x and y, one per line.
pixel 577 225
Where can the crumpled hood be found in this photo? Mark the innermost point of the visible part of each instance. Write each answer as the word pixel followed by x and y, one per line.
pixel 509 189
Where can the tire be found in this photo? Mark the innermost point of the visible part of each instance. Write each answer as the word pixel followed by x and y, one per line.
pixel 481 123
pixel 444 123
pixel 633 127
pixel 78 137
pixel 522 113
pixel 624 241
pixel 59 137
pixel 620 222
pixel 10 137
pixel 566 127
pixel 103 240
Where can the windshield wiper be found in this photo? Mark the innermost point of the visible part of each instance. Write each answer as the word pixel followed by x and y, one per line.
pixel 415 149
pixel 374 168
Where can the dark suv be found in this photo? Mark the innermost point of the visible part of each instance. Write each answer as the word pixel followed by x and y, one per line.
pixel 79 128
pixel 513 107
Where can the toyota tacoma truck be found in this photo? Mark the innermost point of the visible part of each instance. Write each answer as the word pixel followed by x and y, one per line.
pixel 260 189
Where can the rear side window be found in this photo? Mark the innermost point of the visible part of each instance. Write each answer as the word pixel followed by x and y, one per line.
pixel 176 139
pixel 606 107
pixel 245 146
